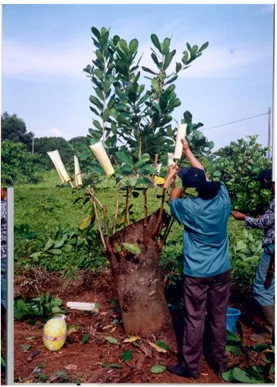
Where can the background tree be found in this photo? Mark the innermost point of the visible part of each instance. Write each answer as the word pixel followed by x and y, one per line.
pixel 239 165
pixel 48 144
pixel 14 128
pixel 18 166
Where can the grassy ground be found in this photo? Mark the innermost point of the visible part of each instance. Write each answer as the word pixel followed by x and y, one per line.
pixel 45 209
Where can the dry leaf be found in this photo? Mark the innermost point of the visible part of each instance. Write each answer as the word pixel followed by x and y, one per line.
pixel 131 339
pixel 159 349
pixel 114 328
pixel 107 327
pixel 71 367
pixel 147 351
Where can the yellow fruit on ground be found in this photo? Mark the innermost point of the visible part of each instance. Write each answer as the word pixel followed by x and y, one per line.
pixel 54 333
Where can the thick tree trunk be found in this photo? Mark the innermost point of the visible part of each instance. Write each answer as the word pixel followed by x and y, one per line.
pixel 140 290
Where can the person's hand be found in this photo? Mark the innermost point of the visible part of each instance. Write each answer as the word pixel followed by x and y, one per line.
pixel 185 146
pixel 172 171
pixel 238 215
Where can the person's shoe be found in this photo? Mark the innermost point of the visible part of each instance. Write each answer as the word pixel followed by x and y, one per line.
pixel 181 371
pixel 268 325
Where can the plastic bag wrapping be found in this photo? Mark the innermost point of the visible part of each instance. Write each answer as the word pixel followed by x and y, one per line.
pixel 55 333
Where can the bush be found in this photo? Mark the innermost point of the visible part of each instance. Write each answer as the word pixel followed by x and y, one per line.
pixel 238 165
pixel 20 166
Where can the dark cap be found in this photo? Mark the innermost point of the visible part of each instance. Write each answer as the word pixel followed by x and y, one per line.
pixel 195 178
pixel 265 178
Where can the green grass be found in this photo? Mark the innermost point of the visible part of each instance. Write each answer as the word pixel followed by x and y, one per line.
pixel 45 209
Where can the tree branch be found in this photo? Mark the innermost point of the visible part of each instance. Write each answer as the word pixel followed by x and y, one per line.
pixel 126 213
pixel 98 221
pixel 145 216
pixel 116 208
pixel 160 214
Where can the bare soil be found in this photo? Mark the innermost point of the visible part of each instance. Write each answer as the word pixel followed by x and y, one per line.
pixel 83 363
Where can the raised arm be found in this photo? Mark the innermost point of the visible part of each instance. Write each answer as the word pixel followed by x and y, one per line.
pixel 194 162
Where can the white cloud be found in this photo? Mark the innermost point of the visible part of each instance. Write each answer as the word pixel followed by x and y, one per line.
pixel 30 61
pixel 57 62
pixel 52 132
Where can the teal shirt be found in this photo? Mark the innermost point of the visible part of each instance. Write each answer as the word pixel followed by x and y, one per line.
pixel 205 243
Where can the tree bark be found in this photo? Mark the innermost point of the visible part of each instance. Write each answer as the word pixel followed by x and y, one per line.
pixel 139 287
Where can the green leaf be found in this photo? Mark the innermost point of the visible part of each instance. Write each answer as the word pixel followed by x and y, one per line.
pixel 158 369
pixel 217 174
pixel 168 59
pixel 125 157
pixel 239 329
pixel 143 159
pixel 194 50
pixel 133 45
pixel 156 42
pixel 57 302
pixel 122 45
pixel 178 67
pixel 203 47
pixel 95 101
pixel 49 244
pixel 131 182
pixel 85 338
pixel 165 46
pixel 67 248
pixel 189 47
pixel 56 309
pixel 3 362
pixel 95 32
pixel 111 365
pixel 56 251
pixel 185 57
pixel 30 338
pixel 127 355
pixel 36 256
pixel 117 248
pixel 135 194
pixel 25 347
pixel 260 347
pixel 161 344
pixel 97 125
pixel 187 117
pixel 148 70
pixel 232 337
pixel 106 115
pixel 241 376
pixel 228 376
pixel 171 80
pixel 111 340
pixel 59 243
pixel 132 248
pixel 99 94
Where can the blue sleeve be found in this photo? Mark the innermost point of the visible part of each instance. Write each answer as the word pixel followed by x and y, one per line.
pixel 224 191
pixel 182 210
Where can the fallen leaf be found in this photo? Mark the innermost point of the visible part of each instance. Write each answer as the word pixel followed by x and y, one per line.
pixel 85 338
pixel 25 347
pixel 107 327
pixel 30 338
pixel 158 369
pixel 71 367
pixel 159 349
pixel 131 339
pixel 111 340
pixel 127 355
pixel 114 328
pixel 147 351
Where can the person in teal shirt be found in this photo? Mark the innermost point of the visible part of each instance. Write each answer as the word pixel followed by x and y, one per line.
pixel 206 264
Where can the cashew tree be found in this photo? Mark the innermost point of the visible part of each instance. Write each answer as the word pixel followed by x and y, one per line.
pixel 133 119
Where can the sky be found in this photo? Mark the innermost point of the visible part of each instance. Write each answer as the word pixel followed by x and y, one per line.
pixel 45 48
